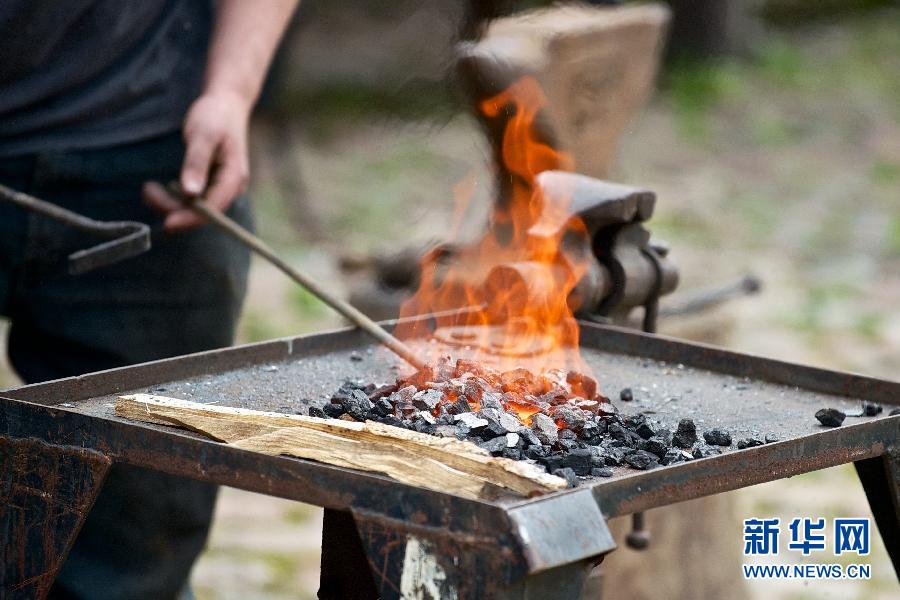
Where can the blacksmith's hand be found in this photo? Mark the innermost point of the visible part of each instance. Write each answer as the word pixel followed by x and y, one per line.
pixel 216 163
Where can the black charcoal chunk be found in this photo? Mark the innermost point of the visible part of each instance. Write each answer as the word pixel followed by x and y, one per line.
pixel 894 412
pixel 702 451
pixel 657 446
pixel 749 443
pixel 830 417
pixel 512 453
pixel 672 456
pixel 545 428
pixel 614 456
pixel 645 430
pixel 771 438
pixel 536 452
pixel 315 411
pixel 568 475
pixel 686 434
pixel 641 459
pixel 529 438
pixel 577 459
pixel 495 446
pixel 446 431
pixel 870 409
pixel 626 395
pixel 717 437
pixel 355 356
pixel 602 472
pixel 331 411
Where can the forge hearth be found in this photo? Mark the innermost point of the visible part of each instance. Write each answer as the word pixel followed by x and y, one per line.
pixel 504 547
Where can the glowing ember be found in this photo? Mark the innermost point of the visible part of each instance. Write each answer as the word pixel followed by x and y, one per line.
pixel 519 276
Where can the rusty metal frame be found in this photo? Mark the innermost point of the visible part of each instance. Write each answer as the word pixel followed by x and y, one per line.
pixel 501 548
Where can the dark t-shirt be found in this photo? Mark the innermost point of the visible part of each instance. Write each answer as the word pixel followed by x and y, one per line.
pixel 78 74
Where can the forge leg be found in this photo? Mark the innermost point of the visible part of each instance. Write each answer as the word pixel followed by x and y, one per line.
pixel 345 568
pixel 880 478
pixel 46 492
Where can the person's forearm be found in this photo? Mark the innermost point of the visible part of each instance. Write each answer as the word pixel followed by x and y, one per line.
pixel 244 40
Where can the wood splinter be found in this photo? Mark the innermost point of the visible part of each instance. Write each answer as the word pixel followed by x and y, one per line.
pixel 442 464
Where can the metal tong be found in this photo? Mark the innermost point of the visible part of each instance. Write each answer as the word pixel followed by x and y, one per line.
pixel 126 238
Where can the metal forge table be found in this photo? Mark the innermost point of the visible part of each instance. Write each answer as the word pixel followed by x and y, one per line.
pixel 58 439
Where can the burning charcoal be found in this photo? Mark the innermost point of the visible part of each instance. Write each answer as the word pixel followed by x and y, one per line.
pixel 686 434
pixel 582 385
pixel 405 394
pixel 512 453
pixel 355 356
pixel 420 378
pixel 444 370
pixel 491 400
pixel 894 412
pixel 870 409
pixel 605 408
pixel 602 472
pixel 331 411
pixel 641 459
pixel 471 420
pixel 494 446
pixel 568 475
pixel 626 395
pixel 545 429
pixel 717 437
pixel 830 417
pixel 406 410
pixel 590 406
pixel 657 446
pixel 522 381
pixel 749 443
pixel 381 391
pixel 459 407
pixel 315 411
pixel 427 400
pixel 510 423
pixel 571 417
pixel 770 438
pixel 529 438
pixel 536 452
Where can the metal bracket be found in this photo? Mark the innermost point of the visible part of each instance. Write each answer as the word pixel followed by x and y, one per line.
pixel 127 238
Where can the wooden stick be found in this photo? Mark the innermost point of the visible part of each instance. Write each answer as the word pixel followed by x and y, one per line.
pixel 341 306
pixel 442 464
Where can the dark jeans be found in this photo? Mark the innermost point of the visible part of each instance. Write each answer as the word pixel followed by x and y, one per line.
pixel 184 296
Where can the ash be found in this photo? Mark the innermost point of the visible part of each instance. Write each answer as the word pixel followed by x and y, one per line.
pixel 558 419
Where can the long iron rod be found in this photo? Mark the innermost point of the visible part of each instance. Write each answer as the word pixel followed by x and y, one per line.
pixel 338 304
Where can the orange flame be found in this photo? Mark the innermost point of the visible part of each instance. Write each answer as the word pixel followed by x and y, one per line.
pixel 517 279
